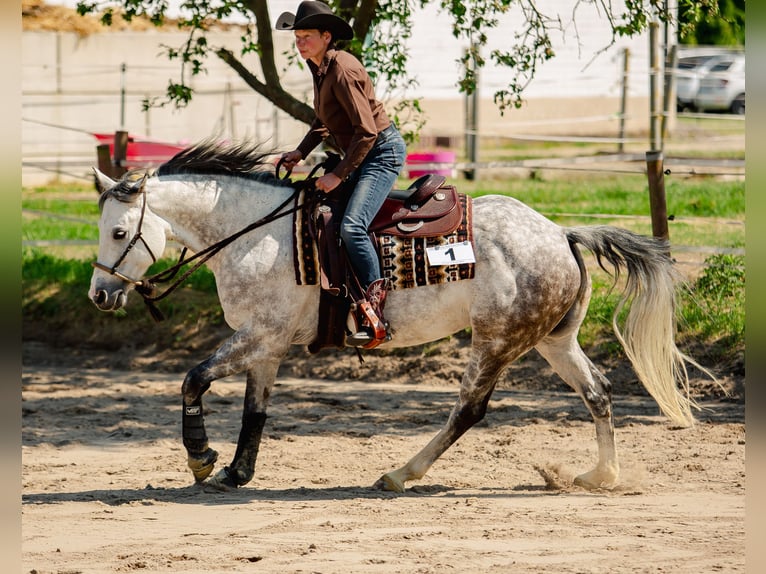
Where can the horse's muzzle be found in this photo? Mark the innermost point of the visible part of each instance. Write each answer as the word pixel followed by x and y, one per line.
pixel 107 301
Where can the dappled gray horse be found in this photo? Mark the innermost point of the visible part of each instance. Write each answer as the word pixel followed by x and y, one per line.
pixel 531 290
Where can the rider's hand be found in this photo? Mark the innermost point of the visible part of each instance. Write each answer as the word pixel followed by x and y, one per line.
pixel 327 182
pixel 291 159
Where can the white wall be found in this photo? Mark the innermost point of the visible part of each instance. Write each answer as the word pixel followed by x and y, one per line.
pixel 577 70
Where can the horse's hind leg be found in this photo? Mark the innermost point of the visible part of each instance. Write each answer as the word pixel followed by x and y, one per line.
pixel 567 358
pixel 479 381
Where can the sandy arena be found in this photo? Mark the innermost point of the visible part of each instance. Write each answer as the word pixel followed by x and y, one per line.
pixel 106 488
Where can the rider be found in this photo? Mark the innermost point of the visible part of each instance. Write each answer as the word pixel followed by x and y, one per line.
pixel 374 151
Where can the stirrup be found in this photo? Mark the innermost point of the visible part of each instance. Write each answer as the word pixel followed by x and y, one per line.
pixel 365 338
pixel 370 331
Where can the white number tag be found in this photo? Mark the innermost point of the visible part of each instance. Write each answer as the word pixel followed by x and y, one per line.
pixel 452 254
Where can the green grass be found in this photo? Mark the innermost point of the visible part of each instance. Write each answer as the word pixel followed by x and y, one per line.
pixel 619 195
pixel 705 213
pixel 714 309
pixel 42 228
pixel 60 213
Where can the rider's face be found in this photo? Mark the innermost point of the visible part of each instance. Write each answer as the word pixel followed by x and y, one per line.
pixel 312 44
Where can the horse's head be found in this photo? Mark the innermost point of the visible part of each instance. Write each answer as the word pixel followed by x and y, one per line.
pixel 131 238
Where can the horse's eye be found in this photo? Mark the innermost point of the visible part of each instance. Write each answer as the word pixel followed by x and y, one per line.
pixel 119 234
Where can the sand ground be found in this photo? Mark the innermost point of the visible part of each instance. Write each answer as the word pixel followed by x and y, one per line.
pixel 106 489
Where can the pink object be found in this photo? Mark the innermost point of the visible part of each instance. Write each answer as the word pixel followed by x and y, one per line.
pixel 446 157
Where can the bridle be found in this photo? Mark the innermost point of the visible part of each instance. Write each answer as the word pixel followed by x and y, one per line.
pixel 146 287
pixel 131 244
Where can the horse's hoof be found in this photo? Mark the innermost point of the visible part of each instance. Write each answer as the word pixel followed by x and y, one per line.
pixel 202 465
pixel 389 483
pixel 222 481
pixel 596 480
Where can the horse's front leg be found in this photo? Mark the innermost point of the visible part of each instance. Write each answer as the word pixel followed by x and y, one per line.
pixel 200 457
pixel 234 356
pixel 260 380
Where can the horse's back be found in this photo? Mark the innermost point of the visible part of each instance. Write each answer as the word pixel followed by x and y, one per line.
pixel 508 220
pixel 525 277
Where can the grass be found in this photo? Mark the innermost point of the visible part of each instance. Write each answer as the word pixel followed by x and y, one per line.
pixel 707 213
pixel 714 310
pixel 619 195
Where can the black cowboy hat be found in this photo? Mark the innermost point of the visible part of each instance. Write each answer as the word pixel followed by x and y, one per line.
pixel 315 15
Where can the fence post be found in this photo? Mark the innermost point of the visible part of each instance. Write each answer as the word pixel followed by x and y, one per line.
pixel 655 140
pixel 657 203
pixel 120 152
pixel 472 119
pixel 623 97
pixel 123 70
pixel 104 160
pixel 669 97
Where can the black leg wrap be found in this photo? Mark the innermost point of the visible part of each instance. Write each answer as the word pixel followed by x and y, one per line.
pixel 242 466
pixel 193 427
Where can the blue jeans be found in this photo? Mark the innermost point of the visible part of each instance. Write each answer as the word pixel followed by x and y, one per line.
pixel 372 181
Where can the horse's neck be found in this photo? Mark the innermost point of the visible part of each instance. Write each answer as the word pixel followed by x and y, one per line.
pixel 204 211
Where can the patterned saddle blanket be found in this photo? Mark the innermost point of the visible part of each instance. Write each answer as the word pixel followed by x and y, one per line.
pixel 404 260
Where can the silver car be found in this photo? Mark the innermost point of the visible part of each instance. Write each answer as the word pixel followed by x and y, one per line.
pixel 723 87
pixel 688 73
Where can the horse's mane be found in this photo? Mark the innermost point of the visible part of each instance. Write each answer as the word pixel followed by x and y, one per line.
pixel 215 158
pixel 205 158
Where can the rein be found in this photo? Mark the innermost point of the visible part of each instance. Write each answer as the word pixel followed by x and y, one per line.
pixel 146 287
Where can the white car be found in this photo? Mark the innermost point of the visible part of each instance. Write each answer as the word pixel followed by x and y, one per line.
pixel 723 87
pixel 688 73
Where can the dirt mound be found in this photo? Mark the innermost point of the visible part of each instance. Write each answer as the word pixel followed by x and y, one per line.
pixel 36 15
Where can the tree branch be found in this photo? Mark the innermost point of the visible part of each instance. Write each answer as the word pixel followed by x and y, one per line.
pixel 260 10
pixel 278 96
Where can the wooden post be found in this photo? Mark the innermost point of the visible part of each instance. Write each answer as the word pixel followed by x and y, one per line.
pixel 657 203
pixel 104 159
pixel 120 152
pixel 655 143
pixel 623 97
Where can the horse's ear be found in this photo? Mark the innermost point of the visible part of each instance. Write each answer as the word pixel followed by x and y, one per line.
pixel 138 186
pixel 103 181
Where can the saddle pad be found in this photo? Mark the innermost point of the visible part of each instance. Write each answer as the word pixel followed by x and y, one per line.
pixel 403 259
pixel 305 252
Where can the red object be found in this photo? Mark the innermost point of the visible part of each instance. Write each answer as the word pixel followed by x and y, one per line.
pixel 425 158
pixel 141 152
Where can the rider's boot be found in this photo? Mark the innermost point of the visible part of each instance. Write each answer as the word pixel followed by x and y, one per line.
pixel 373 328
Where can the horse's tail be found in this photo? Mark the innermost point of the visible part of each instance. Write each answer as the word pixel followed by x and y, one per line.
pixel 648 335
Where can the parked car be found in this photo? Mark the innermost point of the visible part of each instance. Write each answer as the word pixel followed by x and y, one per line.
pixel 688 73
pixel 723 87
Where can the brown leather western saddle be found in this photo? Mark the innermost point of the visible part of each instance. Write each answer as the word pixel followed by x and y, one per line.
pixel 427 208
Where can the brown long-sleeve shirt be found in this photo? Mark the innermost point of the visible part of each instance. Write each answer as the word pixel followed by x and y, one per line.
pixel 346 107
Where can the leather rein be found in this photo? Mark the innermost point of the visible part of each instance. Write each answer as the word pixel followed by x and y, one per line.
pixel 147 287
